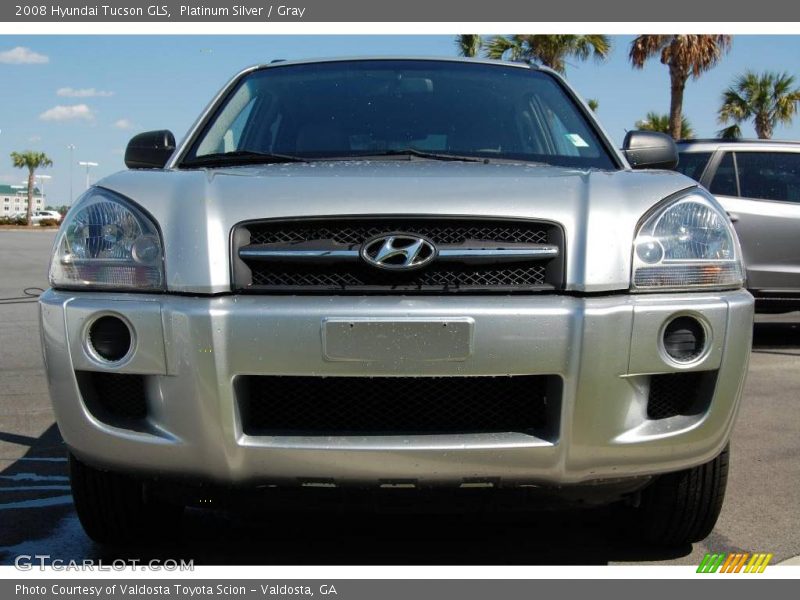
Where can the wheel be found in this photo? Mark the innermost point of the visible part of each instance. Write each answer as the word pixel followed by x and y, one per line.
pixel 114 508
pixel 682 508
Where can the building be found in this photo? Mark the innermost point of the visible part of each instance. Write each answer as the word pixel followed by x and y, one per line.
pixel 14 200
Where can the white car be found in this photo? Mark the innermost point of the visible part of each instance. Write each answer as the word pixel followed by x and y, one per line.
pixel 41 215
pixel 38 215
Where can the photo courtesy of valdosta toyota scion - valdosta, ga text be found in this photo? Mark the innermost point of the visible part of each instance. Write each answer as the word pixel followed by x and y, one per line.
pixel 174 589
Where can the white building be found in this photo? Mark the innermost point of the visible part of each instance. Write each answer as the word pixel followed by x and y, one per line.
pixel 14 200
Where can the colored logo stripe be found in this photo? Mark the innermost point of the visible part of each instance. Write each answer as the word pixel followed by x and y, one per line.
pixel 758 563
pixel 734 563
pixel 711 563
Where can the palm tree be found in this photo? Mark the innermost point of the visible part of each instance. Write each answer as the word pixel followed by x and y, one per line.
pixel 549 50
pixel 593 103
pixel 469 44
pixel 685 55
pixel 30 160
pixel 769 98
pixel 654 121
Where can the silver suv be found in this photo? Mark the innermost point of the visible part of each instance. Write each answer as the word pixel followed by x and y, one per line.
pixel 435 274
pixel 758 183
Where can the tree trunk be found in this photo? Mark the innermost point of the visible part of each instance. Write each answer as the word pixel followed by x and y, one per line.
pixel 677 85
pixel 763 127
pixel 31 181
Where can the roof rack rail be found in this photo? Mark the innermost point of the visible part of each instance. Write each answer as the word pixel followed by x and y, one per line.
pixel 737 141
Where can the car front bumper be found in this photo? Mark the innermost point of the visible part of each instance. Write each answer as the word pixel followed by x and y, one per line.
pixel 603 349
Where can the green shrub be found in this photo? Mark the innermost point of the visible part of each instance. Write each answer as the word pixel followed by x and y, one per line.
pixel 12 221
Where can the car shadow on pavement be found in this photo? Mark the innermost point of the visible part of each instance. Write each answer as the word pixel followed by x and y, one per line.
pixel 777 337
pixel 38 518
pixel 584 537
pixel 34 489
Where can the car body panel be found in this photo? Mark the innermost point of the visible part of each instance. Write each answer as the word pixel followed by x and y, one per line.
pixel 197 208
pixel 768 233
pixel 602 348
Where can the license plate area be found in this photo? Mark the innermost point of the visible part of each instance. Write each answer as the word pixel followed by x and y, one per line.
pixel 397 340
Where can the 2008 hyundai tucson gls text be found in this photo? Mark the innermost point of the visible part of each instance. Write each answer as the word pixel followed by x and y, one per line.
pixel 416 273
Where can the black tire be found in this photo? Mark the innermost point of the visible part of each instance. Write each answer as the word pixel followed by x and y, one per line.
pixel 682 508
pixel 114 508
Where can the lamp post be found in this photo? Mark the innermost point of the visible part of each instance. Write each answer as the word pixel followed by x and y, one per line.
pixel 88 165
pixel 71 148
pixel 44 179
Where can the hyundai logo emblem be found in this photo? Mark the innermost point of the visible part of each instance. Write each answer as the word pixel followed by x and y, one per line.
pixel 398 251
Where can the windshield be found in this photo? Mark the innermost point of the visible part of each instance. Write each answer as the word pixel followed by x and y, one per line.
pixel 385 108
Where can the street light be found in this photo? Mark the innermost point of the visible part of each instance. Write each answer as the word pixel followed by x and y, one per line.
pixel 71 148
pixel 88 165
pixel 44 179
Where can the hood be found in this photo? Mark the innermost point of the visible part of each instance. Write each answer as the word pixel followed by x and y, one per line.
pixel 196 209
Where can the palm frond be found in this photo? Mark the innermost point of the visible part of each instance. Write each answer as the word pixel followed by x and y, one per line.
pixel 654 121
pixel 498 46
pixel 732 132
pixel 644 47
pixel 469 44
pixel 767 98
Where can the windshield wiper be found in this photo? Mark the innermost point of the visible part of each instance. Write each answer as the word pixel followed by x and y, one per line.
pixel 414 153
pixel 240 157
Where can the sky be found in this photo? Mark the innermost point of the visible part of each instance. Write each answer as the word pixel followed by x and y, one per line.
pixel 95 92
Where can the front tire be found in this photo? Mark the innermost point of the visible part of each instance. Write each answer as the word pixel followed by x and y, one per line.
pixel 114 508
pixel 682 508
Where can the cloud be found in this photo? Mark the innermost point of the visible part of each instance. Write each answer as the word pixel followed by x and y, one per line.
pixel 123 124
pixel 68 92
pixel 67 113
pixel 34 139
pixel 22 56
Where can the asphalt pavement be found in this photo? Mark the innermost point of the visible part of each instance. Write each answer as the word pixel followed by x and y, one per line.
pixel 37 517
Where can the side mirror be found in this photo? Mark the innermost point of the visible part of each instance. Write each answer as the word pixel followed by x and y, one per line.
pixel 650 150
pixel 150 150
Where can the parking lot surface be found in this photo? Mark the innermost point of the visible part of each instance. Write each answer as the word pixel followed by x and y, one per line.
pixel 37 516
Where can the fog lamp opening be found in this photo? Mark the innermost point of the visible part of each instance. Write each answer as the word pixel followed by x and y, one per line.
pixel 684 339
pixel 110 338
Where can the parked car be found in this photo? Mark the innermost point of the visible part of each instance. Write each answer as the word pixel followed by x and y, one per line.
pixel 39 216
pixel 42 215
pixel 396 273
pixel 758 183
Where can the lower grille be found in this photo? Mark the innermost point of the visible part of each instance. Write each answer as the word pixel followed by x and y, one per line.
pixel 356 278
pixel 114 398
pixel 674 394
pixel 282 405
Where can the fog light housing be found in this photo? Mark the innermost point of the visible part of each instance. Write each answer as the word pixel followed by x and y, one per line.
pixel 110 338
pixel 684 339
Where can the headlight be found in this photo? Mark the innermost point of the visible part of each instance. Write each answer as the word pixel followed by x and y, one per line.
pixel 106 242
pixel 686 243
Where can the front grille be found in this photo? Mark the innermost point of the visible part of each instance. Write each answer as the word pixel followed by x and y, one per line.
pixel 356 231
pixel 674 394
pixel 114 398
pixel 288 405
pixel 356 276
